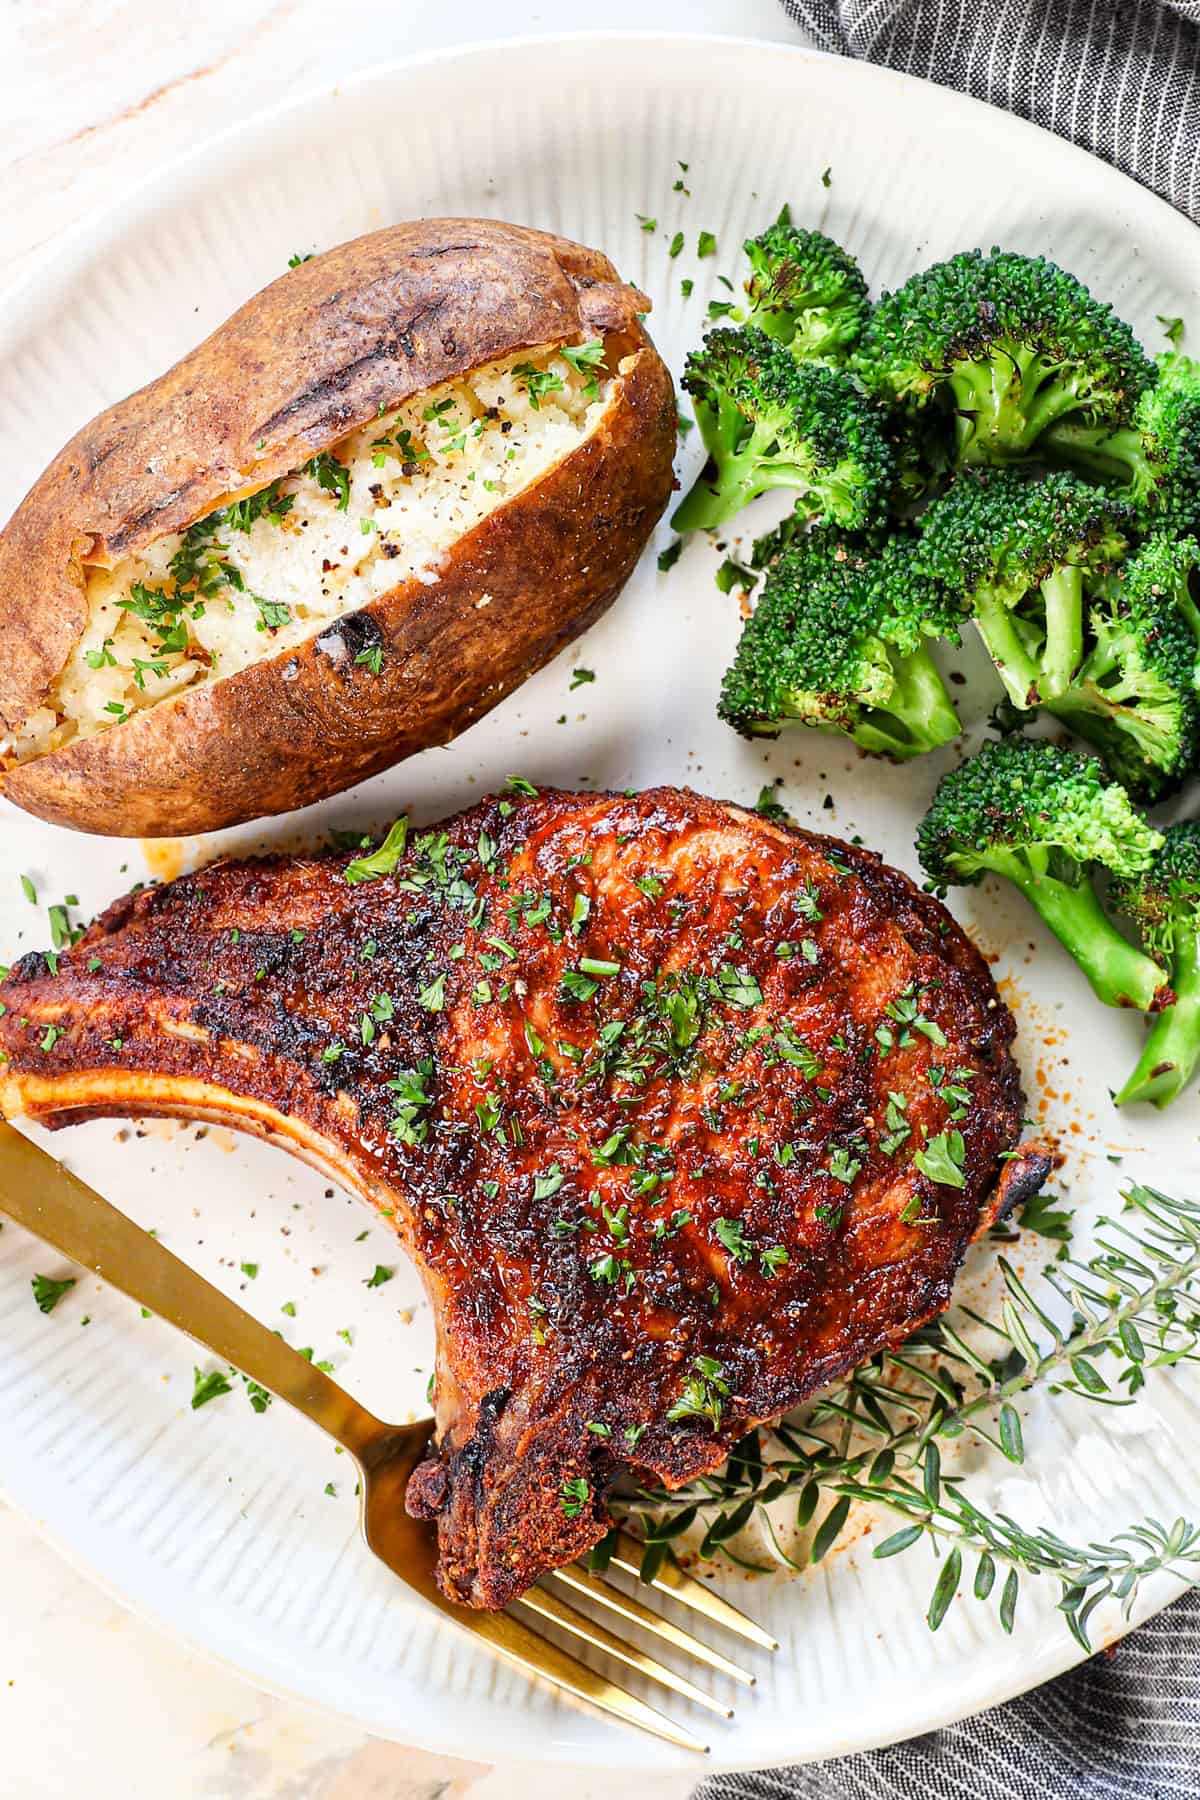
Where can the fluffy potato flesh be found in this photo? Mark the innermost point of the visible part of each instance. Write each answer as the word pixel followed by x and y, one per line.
pixel 384 506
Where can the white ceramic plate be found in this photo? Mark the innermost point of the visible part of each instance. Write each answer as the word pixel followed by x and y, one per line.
pixel 217 1523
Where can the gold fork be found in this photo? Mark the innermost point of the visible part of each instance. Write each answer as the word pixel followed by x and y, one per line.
pixel 38 1193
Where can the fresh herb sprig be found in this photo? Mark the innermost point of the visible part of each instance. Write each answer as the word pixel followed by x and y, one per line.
pixel 1095 1329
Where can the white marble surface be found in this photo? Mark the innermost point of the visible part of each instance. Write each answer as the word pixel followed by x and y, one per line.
pixel 93 95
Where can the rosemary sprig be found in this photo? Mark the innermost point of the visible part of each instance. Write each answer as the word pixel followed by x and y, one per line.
pixel 1093 1330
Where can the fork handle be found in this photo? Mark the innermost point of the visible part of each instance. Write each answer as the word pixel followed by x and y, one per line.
pixel 38 1193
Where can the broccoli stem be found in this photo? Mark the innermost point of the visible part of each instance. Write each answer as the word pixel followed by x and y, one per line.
pixel 747 473
pixel 1115 457
pixel 1105 700
pixel 1015 667
pixel 1191 612
pixel 920 714
pixel 1063 594
pixel 1172 1050
pixel 1120 975
pixel 1006 403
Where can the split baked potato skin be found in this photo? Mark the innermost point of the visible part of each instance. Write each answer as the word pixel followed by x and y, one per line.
pixel 326 349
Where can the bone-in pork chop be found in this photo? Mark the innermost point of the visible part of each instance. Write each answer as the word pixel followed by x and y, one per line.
pixel 682 1113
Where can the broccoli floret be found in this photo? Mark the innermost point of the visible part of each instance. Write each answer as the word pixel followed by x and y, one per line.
pixel 1043 818
pixel 1154 461
pixel 804 290
pixel 1134 696
pixel 837 642
pixel 1170 567
pixel 1164 902
pixel 1013 342
pixel 769 421
pixel 1015 554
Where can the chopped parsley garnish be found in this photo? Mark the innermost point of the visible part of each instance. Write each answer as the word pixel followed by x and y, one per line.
pixel 268 503
pixel 545 1186
pixel 47 1292
pixel 574 985
pixel 670 1227
pixel 787 1047
pixel 706 244
pixel 209 1387
pixel 573 1496
pixel 433 995
pixel 704 1393
pixel 584 356
pixel 412 1097
pixel 804 901
pixel 331 476
pixel 615 1149
pixel 538 382
pixel 905 1009
pixel 580 677
pixel 730 1233
pixel 371 658
pixel 898 1128
pixel 381 1275
pixel 272 614
pixel 943 1158
pixel 676 244
pixel 738 987
pixel 670 556
pixel 843 1165
pixel 595 965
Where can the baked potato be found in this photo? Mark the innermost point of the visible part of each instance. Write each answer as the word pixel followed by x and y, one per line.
pixel 344 527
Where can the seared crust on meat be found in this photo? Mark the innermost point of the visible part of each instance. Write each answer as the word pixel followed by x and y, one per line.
pixel 625 1096
pixel 322 351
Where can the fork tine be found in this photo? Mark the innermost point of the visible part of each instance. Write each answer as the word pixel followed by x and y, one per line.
pixel 536 1655
pixel 626 1607
pixel 548 1606
pixel 689 1592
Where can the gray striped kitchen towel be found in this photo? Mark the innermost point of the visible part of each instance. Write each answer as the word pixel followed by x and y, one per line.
pixel 1122 78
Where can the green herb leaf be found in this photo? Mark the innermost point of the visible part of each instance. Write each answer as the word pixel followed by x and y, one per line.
pixel 829 1530
pixel 573 1496
pixel 942 1159
pixel 210 1386
pixel 47 1292
pixel 945 1588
